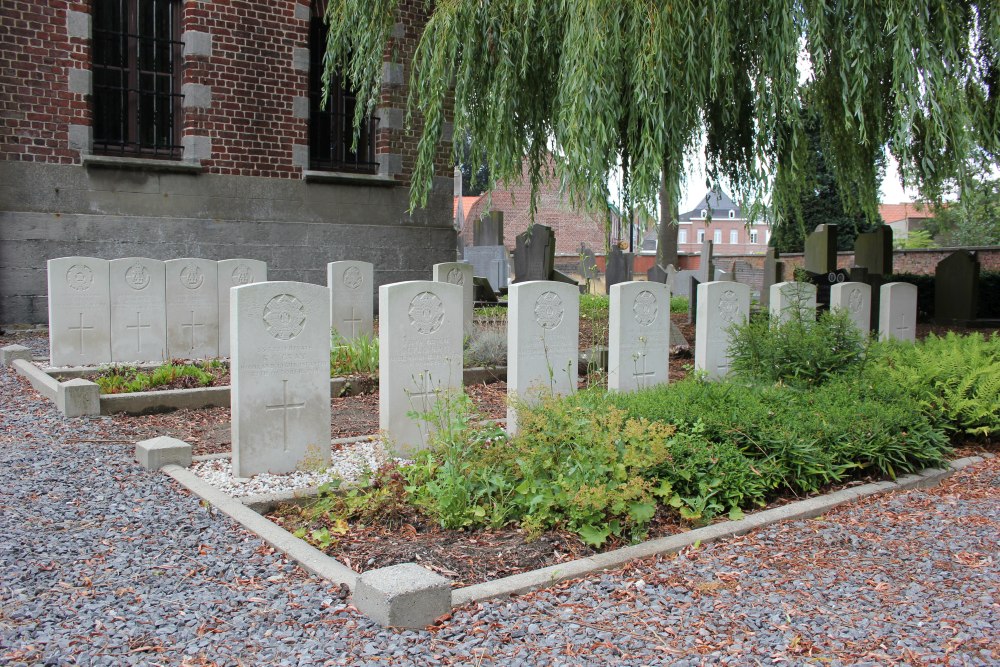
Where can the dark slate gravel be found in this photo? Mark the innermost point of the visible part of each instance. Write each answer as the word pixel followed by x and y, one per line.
pixel 102 563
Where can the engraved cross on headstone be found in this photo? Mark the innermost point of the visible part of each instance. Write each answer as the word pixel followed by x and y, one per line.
pixel 426 390
pixel 641 376
pixel 723 366
pixel 139 326
pixel 81 329
pixel 192 326
pixel 354 320
pixel 902 327
pixel 285 406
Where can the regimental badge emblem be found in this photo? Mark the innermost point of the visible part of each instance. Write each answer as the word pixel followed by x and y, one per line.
pixel 854 300
pixel 192 277
pixel 242 275
pixel 353 278
pixel 426 313
pixel 644 308
pixel 137 277
pixel 284 317
pixel 729 305
pixel 80 277
pixel 456 277
pixel 549 310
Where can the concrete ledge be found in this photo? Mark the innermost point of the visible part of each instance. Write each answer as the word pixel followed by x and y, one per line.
pixel 44 384
pixel 78 398
pixel 149 402
pixel 155 453
pixel 112 162
pixel 348 178
pixel 9 353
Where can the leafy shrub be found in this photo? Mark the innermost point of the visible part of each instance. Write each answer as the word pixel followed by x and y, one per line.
pixel 486 348
pixel 354 357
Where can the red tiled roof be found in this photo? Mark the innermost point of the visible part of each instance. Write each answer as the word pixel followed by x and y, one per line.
pixel 904 211
pixel 467 204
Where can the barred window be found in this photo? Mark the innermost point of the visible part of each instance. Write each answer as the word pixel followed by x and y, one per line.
pixel 331 128
pixel 136 74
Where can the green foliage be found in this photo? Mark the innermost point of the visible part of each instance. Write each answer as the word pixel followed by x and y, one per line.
pixel 915 240
pixel 594 307
pixel 973 220
pixel 354 357
pixel 130 379
pixel 678 304
pixel 486 348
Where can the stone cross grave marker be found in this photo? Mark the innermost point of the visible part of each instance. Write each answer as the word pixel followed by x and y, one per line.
pixel 459 273
pixel 956 288
pixel 234 273
pixel 721 304
pixel 543 341
pixel 897 316
pixel 790 299
pixel 192 308
pixel 873 251
pixel 534 255
pixel 352 298
pixel 855 299
pixel 138 310
pixel 79 311
pixel 420 356
pixel 619 268
pixel 280 377
pixel 638 335
pixel 821 250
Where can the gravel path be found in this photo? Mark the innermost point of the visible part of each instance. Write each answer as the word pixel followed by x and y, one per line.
pixel 102 563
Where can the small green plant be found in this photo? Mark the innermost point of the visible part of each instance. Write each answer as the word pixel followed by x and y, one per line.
pixel 486 348
pixel 130 379
pixel 353 357
pixel 678 304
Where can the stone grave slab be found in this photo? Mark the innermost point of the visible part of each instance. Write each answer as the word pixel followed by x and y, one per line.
pixel 821 250
pixel 772 274
pixel 721 304
pixel 619 268
pixel 280 377
pixel 543 341
pixel 79 311
pixel 792 299
pixel 488 230
pixel 588 263
pixel 855 299
pixel 138 310
pixel 482 291
pixel 534 254
pixel 639 331
pixel 681 284
pixel 706 269
pixel 897 316
pixel 459 273
pixel 956 288
pixel 352 298
pixel 234 273
pixel 192 308
pixel 490 262
pixel 693 283
pixel 420 356
pixel 873 251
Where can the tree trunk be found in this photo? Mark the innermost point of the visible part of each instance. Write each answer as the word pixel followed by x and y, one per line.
pixel 666 238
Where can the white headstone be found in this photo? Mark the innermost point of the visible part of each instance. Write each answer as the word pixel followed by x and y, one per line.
pixel 791 299
pixel 79 311
pixel 543 341
pixel 721 304
pixel 280 377
pixel 459 273
pixel 638 335
pixel 192 308
pixel 235 273
pixel 138 310
pixel 420 355
pixel 352 295
pixel 856 300
pixel 897 311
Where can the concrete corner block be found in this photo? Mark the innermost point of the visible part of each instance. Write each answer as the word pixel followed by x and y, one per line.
pixel 80 81
pixel 390 119
pixel 398 30
pixel 300 155
pixel 197 43
pixel 392 74
pixel 78 398
pixel 447 132
pixel 300 59
pixel 402 596
pixel 78 24
pixel 196 95
pixel 300 107
pixel 302 12
pixel 155 453
pixel 9 353
pixel 197 147
pixel 80 138
pixel 389 164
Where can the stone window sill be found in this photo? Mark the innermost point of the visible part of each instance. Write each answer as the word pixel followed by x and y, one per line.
pixel 145 164
pixel 348 178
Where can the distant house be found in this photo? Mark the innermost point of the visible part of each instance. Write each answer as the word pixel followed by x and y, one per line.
pixel 718 218
pixel 904 217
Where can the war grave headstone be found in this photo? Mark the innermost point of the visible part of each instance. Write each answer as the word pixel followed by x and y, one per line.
pixel 459 273
pixel 234 273
pixel 897 316
pixel 192 290
pixel 490 262
pixel 721 304
pixel 352 298
pixel 860 274
pixel 543 336
pixel 534 254
pixel 488 230
pixel 854 298
pixel 280 344
pixel 956 288
pixel 792 299
pixel 619 268
pixel 138 310
pixel 639 331
pixel 79 311
pixel 420 356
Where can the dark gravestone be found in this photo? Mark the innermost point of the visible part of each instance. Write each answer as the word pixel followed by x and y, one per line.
pixel 860 274
pixel 956 288
pixel 588 263
pixel 823 283
pixel 657 274
pixel 535 254
pixel 561 277
pixel 482 291
pixel 488 230
pixel 873 251
pixel 679 281
pixel 744 272
pixel 491 262
pixel 772 275
pixel 619 268
pixel 692 299
pixel 821 250
pixel 705 271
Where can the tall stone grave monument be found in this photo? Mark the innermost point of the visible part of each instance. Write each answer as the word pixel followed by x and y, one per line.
pixel 459 273
pixel 280 367
pixel 534 255
pixel 873 250
pixel 721 304
pixel 234 273
pixel 543 341
pixel 703 274
pixel 352 298
pixel 79 311
pixel 619 268
pixel 897 316
pixel 854 299
pixel 488 230
pixel 956 288
pixel 420 356
pixel 821 250
pixel 792 300
pixel 638 335
pixel 138 310
pixel 773 270
pixel 192 288
pixel 491 262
